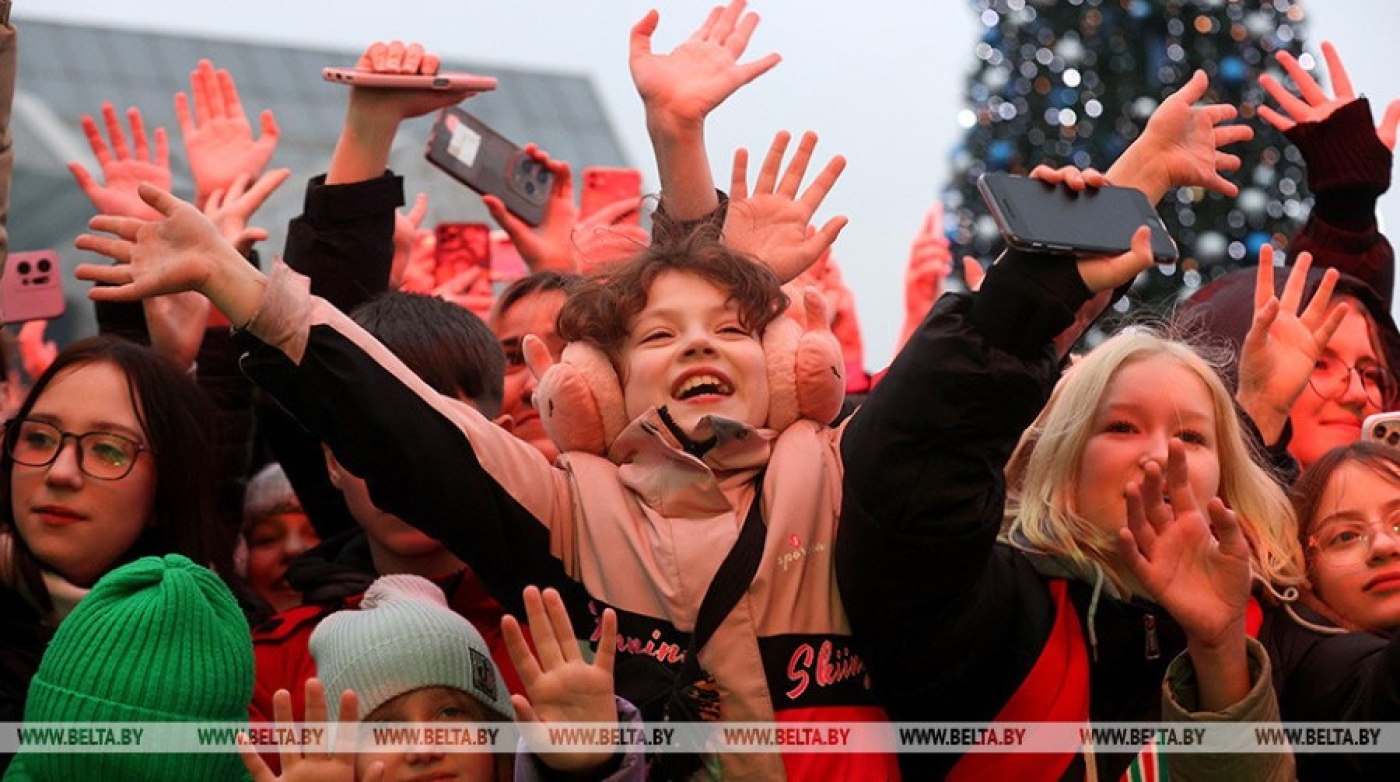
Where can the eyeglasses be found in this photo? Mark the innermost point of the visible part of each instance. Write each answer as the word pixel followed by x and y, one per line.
pixel 1349 542
pixel 1331 377
pixel 103 455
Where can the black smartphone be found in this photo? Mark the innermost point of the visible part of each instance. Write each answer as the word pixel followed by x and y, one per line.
pixel 484 160
pixel 1045 218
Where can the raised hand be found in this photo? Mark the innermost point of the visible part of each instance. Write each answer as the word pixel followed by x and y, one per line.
pixel 770 222
pixel 1181 146
pixel 180 252
pixel 930 263
pixel 548 247
pixel 1195 563
pixel 600 239
pixel 231 209
pixel 333 763
pixel 218 137
pixel 122 169
pixel 1101 273
pixel 1284 341
pixel 1315 105
pixel 373 116
pixel 561 685
pixel 404 273
pixel 681 88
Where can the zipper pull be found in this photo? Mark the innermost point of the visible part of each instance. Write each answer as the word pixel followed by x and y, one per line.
pixel 1149 626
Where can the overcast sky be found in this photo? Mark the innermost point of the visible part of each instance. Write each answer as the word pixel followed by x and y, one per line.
pixel 880 81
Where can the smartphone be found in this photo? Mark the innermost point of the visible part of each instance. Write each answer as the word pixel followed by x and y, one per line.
pixel 459 246
pixel 1044 218
pixel 31 287
pixel 484 160
pixel 606 186
pixel 405 81
pixel 1382 428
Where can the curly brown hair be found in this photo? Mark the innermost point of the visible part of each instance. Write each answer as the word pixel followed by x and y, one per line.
pixel 601 312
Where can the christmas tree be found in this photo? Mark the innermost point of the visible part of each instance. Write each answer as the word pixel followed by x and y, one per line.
pixel 1074 82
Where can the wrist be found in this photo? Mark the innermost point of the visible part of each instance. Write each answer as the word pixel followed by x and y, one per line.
pixel 1140 172
pixel 667 128
pixel 362 151
pixel 234 287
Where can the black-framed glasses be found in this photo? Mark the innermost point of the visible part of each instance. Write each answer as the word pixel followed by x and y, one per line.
pixel 1330 378
pixel 1350 542
pixel 106 456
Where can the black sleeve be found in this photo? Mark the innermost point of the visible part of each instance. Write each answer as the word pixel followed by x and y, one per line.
pixel 1349 168
pixel 344 238
pixel 418 464
pixel 924 490
pixel 343 241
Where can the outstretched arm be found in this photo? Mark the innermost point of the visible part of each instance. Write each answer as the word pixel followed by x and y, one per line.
pixel 1349 168
pixel 374 115
pixel 680 89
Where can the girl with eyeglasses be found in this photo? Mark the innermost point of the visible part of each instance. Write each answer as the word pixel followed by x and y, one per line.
pixel 1353 374
pixel 109 458
pixel 1348 507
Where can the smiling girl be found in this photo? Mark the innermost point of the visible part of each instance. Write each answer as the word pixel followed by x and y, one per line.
pixel 681 393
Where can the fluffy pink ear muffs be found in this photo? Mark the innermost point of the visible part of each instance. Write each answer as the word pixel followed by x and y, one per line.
pixel 580 400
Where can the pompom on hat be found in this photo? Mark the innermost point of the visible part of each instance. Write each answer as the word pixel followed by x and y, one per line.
pixel 404 637
pixel 160 639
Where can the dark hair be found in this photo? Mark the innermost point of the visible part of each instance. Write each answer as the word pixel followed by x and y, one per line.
pixel 602 311
pixel 531 284
pixel 177 420
pixel 1306 495
pixel 451 349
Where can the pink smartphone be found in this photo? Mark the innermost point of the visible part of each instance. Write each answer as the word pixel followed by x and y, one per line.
pixel 404 81
pixel 31 287
pixel 606 186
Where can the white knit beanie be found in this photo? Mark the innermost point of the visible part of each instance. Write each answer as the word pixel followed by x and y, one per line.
pixel 404 637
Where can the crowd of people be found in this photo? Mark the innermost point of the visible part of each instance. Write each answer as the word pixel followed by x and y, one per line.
pixel 330 486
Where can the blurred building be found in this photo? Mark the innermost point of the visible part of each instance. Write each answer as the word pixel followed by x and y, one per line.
pixel 68 70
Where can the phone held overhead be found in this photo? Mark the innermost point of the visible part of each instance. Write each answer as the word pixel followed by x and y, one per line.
pixel 1036 216
pixel 484 160
pixel 409 81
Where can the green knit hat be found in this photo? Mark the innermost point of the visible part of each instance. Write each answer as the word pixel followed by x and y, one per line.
pixel 158 640
pixel 404 637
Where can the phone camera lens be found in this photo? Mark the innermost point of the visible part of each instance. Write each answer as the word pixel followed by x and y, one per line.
pixel 530 188
pixel 22 267
pixel 44 266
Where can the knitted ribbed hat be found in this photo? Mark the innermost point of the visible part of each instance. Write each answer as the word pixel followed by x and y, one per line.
pixel 160 639
pixel 404 638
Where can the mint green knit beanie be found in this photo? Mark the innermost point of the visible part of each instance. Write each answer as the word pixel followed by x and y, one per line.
pixel 160 639
pixel 404 637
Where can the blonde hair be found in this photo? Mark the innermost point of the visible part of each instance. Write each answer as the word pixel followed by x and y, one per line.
pixel 1045 466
